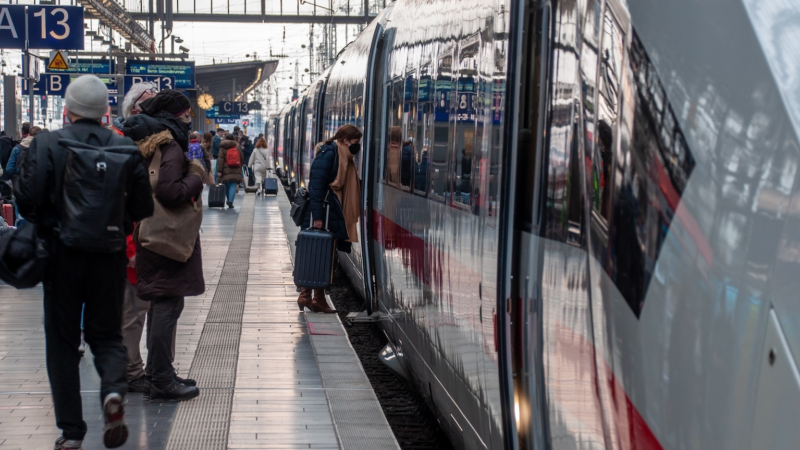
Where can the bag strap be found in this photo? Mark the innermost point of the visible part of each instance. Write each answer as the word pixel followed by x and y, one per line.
pixel 153 173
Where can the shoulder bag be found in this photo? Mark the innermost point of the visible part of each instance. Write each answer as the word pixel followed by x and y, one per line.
pixel 169 232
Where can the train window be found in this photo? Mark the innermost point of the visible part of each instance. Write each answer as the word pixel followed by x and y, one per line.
pixel 394 138
pixel 466 154
pixel 424 128
pixel 443 87
pixel 409 131
pixel 648 178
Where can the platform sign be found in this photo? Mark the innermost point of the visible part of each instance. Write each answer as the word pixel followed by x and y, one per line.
pixel 98 67
pixel 160 82
pixel 226 121
pixel 233 108
pixel 48 84
pixel 12 26
pixel 55 27
pixel 182 71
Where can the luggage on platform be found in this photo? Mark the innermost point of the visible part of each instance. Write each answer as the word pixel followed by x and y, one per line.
pixel 250 180
pixel 315 258
pixel 270 186
pixel 216 196
pixel 8 213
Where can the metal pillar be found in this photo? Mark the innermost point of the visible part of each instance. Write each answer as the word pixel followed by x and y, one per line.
pixel 10 106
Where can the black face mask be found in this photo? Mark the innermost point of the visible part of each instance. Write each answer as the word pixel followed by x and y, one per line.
pixel 355 148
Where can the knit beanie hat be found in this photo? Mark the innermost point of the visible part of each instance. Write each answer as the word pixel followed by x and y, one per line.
pixel 168 100
pixel 87 97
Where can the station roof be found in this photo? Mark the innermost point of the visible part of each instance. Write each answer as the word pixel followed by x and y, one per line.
pixel 218 79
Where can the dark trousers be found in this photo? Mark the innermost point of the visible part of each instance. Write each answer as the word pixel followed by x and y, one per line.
pixel 74 278
pixel 165 313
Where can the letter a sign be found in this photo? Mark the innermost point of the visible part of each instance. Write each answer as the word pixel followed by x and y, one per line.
pixel 58 62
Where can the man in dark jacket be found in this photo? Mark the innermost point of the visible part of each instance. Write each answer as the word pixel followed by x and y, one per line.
pixel 6 144
pixel 162 128
pixel 215 150
pixel 74 276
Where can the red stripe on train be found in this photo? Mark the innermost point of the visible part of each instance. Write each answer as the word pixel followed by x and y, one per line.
pixel 420 257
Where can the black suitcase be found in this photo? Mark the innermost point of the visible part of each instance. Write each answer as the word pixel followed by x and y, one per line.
pixel 314 259
pixel 216 196
pixel 249 180
pixel 270 186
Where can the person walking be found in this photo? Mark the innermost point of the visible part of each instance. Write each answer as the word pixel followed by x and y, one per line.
pixel 6 145
pixel 161 131
pixel 229 168
pixel 259 163
pixel 76 276
pixel 334 180
pixel 12 167
pixel 215 142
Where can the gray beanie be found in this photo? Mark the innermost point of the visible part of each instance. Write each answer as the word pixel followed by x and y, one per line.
pixel 87 96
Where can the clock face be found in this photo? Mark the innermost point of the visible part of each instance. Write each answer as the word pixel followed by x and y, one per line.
pixel 205 101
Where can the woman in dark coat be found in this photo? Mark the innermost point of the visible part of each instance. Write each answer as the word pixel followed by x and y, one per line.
pixel 230 176
pixel 334 180
pixel 164 125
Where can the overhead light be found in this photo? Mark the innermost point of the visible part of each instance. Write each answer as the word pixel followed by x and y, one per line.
pixel 178 40
pixel 183 49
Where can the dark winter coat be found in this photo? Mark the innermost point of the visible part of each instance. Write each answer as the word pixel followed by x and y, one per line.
pixel 215 146
pixel 324 169
pixel 6 145
pixel 229 173
pixel 158 276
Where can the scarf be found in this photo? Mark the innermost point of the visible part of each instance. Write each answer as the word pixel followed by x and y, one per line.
pixel 347 188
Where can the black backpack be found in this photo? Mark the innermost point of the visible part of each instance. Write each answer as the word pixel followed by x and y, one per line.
pixel 92 209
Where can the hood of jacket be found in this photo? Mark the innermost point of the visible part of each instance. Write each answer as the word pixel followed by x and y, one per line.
pixel 142 126
pixel 26 142
pixel 150 144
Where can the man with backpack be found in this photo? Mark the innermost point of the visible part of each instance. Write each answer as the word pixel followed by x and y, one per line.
pixel 83 187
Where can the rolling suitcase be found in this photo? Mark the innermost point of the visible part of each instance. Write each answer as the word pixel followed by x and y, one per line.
pixel 249 180
pixel 270 186
pixel 216 196
pixel 315 257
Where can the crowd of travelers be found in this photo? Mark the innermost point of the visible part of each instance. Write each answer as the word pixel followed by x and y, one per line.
pixel 121 256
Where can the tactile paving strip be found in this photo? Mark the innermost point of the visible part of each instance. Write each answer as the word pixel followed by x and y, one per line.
pixel 203 423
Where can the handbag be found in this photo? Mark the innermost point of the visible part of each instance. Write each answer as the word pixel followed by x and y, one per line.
pixel 169 232
pixel 299 206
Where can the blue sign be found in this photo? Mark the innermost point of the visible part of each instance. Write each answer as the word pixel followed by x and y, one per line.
pixel 182 71
pixel 55 27
pixel 159 81
pixel 49 84
pixel 95 66
pixel 233 108
pixel 12 26
pixel 112 93
pixel 226 121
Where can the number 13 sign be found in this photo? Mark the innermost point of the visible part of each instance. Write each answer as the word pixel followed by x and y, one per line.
pixel 49 27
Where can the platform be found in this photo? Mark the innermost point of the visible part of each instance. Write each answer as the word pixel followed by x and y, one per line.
pixel 270 376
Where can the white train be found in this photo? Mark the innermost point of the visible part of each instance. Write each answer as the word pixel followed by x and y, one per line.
pixel 580 217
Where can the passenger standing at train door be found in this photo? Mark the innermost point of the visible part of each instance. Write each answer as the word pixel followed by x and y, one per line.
pixel 334 180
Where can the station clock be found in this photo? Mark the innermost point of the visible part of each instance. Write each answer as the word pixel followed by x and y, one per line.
pixel 205 101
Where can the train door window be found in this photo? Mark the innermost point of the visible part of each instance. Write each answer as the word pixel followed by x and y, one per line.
pixel 441 127
pixel 424 129
pixel 464 150
pixel 409 130
pixel 394 138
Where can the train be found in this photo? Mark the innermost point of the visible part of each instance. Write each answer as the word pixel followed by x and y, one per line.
pixel 580 226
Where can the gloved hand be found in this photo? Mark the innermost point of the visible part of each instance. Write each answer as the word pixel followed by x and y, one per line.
pixel 196 167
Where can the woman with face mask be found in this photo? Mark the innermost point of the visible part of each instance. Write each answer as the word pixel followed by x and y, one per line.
pixel 334 179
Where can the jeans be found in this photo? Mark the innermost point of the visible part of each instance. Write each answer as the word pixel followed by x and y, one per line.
pixel 134 312
pixel 74 278
pixel 161 339
pixel 230 186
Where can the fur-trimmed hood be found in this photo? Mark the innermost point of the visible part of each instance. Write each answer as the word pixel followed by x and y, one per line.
pixel 143 127
pixel 150 144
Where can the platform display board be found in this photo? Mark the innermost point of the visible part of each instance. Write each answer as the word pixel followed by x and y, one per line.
pixel 182 71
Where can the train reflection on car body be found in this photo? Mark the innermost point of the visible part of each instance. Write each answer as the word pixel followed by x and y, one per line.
pixel 571 216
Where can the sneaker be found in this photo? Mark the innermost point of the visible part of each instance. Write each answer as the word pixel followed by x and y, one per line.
pixel 115 433
pixel 82 347
pixel 173 391
pixel 230 205
pixel 141 384
pixel 71 444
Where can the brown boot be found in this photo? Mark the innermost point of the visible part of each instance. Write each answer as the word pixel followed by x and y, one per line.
pixel 304 300
pixel 319 304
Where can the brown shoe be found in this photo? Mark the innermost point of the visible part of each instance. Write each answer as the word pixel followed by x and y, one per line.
pixel 304 300
pixel 319 304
